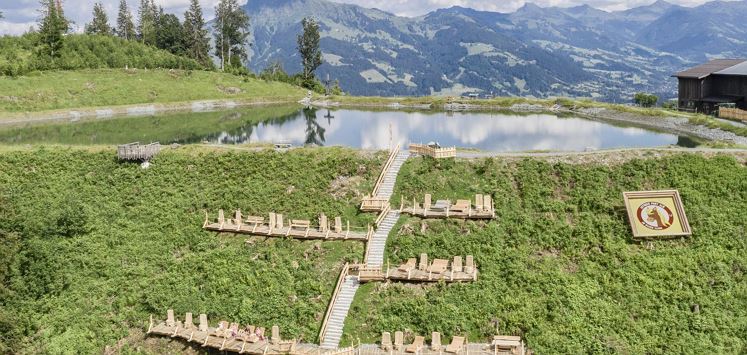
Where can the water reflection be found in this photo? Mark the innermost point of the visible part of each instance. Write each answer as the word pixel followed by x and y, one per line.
pixel 360 129
pixel 491 132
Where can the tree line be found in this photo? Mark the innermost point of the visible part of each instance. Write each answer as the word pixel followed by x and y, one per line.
pixel 188 38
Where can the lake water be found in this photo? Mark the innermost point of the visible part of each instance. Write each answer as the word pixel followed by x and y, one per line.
pixel 353 128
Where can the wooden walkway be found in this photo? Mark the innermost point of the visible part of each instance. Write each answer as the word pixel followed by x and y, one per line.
pixel 482 208
pixel 412 271
pixel 275 227
pixel 231 337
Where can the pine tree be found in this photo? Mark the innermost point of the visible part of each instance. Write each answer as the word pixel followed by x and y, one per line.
pixel 231 33
pixel 52 27
pixel 125 27
pixel 196 41
pixel 308 47
pixel 100 23
pixel 146 27
pixel 169 33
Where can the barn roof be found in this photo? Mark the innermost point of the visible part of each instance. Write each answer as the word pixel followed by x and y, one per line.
pixel 714 66
pixel 739 69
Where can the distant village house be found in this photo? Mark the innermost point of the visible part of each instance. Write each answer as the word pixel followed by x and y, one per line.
pixel 707 86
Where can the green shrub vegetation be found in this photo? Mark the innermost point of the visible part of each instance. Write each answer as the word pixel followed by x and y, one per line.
pixel 53 90
pixel 89 247
pixel 20 55
pixel 558 265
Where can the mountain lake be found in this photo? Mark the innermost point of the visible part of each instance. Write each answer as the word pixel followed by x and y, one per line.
pixel 366 129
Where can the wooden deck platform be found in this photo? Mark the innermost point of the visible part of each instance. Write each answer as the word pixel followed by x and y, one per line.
pixel 433 151
pixel 275 227
pixel 482 208
pixel 252 340
pixel 137 151
pixel 411 271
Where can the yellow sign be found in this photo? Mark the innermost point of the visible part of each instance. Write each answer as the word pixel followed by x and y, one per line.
pixel 656 213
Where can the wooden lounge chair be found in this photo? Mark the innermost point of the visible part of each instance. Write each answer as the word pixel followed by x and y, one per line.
pixel 203 323
pixel 456 265
pixel 507 344
pixel 188 324
pixel 416 345
pixel 386 341
pixel 222 328
pixel 409 265
pixel 436 341
pixel 423 265
pixel 457 343
pixel 461 206
pixel 221 219
pixel 439 266
pixel 478 201
pixel 254 222
pixel 469 266
pixel 399 339
pixel 275 337
pixel 170 322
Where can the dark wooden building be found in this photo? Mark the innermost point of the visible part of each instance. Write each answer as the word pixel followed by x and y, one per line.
pixel 719 81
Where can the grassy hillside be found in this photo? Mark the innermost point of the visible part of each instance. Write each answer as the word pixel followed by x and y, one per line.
pixel 558 265
pixel 90 246
pixel 107 87
pixel 182 128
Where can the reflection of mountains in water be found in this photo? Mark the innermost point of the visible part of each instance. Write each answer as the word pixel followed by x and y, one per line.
pixel 243 134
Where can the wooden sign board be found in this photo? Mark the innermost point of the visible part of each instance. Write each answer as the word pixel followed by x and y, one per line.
pixel 656 214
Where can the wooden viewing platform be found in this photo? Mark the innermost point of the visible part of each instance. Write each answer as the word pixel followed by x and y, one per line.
pixel 412 271
pixel 231 337
pixel 275 227
pixel 137 151
pixel 433 150
pixel 464 209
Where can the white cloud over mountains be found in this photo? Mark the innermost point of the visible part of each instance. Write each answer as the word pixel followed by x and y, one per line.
pixel 21 14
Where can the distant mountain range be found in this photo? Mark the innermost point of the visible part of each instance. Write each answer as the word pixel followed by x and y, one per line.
pixel 541 52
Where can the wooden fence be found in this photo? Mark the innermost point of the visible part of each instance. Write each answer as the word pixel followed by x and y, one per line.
pixel 434 152
pixel 732 113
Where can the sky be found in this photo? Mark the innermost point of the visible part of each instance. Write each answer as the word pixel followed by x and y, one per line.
pixel 20 15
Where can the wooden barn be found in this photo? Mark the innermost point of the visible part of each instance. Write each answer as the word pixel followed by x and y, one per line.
pixel 720 81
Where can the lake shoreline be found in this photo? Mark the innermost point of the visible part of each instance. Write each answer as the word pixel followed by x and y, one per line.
pixel 667 124
pixel 135 110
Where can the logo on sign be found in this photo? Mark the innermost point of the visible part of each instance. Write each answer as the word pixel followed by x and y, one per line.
pixel 654 215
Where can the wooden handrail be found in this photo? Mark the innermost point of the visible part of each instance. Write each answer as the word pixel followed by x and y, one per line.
pixel 340 281
pixel 382 215
pixel 388 164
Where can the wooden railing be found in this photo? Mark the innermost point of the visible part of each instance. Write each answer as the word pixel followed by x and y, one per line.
pixel 438 153
pixel 137 151
pixel 382 215
pixel 387 165
pixel 340 282
pixel 732 113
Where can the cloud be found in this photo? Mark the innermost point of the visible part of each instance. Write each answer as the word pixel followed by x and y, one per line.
pixel 20 13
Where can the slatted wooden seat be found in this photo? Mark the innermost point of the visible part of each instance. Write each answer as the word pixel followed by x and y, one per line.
pixel 409 265
pixel 416 345
pixel 439 266
pixel 436 341
pixel 399 339
pixel 386 341
pixel 461 206
pixel 456 265
pixel 457 343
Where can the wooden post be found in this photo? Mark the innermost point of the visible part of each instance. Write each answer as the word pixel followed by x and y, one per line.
pixel 150 325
